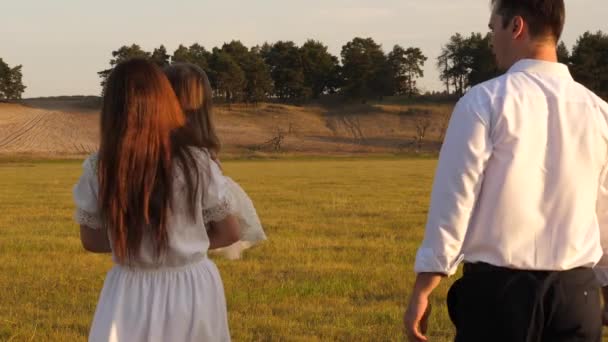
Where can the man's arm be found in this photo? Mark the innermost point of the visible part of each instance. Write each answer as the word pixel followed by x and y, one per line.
pixel 419 309
pixel 601 269
pixel 462 162
pixel 458 179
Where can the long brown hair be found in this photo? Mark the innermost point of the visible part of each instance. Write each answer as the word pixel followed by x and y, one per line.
pixel 139 116
pixel 193 90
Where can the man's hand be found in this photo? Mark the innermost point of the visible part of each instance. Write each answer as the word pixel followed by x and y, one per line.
pixel 605 310
pixel 416 318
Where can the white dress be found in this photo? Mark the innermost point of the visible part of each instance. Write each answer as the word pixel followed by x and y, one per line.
pixel 179 297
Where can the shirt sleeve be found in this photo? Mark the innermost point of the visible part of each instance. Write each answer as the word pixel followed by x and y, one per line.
pixel 85 194
pixel 601 269
pixel 458 179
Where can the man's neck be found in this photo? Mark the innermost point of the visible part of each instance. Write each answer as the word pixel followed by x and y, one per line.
pixel 544 52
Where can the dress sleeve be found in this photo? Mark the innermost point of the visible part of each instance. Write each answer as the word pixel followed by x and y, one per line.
pixel 85 194
pixel 217 202
pixel 244 210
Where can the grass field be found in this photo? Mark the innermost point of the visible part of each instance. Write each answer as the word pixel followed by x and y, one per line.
pixel 337 266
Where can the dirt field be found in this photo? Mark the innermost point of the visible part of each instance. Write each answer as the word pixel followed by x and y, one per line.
pixel 70 127
pixel 40 131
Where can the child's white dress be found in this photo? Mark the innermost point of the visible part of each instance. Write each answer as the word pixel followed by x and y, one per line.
pixel 252 232
pixel 179 297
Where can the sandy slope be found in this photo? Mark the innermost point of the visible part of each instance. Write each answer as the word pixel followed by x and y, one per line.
pixel 33 130
pixel 68 129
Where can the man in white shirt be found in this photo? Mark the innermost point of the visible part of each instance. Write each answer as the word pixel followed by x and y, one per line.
pixel 520 195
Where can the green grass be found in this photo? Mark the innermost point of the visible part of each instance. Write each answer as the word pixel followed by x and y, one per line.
pixel 337 265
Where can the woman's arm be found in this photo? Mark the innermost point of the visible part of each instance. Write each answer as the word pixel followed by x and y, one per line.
pixel 224 233
pixel 95 240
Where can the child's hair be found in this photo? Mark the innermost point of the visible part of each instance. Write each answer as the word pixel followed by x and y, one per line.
pixel 193 90
pixel 139 117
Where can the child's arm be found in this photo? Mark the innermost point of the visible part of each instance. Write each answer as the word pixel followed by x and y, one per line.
pixel 95 240
pixel 223 233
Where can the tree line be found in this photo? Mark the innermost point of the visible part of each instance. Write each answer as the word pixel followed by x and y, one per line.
pixel 11 84
pixel 467 61
pixel 288 72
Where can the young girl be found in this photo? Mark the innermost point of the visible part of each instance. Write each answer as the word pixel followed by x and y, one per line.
pixel 194 93
pixel 157 204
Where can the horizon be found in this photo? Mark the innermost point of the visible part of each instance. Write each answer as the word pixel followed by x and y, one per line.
pixel 61 61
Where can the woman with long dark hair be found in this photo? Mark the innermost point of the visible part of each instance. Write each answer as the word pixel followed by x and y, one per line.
pixel 158 204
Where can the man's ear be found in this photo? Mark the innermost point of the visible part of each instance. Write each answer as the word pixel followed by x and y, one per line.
pixel 517 24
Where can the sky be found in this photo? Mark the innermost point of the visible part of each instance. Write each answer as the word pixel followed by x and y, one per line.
pixel 62 44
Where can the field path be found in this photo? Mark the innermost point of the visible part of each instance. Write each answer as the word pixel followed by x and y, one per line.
pixel 32 130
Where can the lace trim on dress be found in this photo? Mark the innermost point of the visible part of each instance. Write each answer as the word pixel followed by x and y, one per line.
pixel 218 212
pixel 93 163
pixel 87 219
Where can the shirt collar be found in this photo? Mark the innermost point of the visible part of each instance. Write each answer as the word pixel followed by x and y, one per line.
pixel 539 66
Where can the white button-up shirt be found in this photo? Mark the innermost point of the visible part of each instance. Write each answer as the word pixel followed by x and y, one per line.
pixel 521 180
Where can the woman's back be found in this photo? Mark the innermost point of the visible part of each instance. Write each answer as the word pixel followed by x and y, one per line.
pixel 188 241
pixel 178 296
pixel 146 197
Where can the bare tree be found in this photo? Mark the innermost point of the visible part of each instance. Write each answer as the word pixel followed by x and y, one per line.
pixel 422 124
pixel 291 130
pixel 331 122
pixel 352 123
pixel 421 119
pixel 443 122
pixel 275 144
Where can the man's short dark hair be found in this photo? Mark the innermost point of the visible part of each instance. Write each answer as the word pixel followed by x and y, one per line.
pixel 544 17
